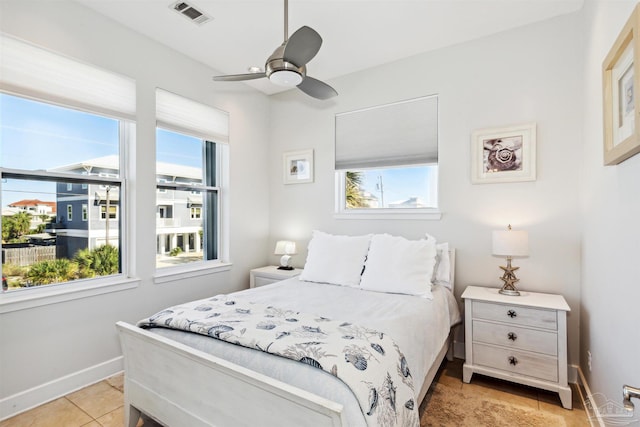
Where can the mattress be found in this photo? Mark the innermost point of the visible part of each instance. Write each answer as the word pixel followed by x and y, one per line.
pixel 419 327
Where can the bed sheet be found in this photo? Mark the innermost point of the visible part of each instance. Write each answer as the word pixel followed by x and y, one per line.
pixel 419 327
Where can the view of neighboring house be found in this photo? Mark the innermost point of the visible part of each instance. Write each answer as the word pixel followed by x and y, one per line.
pixel 35 207
pixel 411 202
pixel 41 212
pixel 82 209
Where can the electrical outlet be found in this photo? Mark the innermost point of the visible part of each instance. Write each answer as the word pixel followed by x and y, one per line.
pixel 589 359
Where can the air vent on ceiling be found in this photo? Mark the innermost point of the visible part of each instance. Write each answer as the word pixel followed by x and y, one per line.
pixel 189 11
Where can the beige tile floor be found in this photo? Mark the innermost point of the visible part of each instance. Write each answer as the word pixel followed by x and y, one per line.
pixel 102 404
pixel 451 375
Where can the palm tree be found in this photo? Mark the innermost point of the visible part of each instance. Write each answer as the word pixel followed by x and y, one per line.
pixel 353 196
pixel 101 261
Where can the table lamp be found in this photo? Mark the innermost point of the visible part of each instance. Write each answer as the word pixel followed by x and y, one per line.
pixel 510 243
pixel 285 248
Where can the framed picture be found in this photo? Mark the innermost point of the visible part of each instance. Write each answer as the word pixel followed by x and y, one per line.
pixel 298 166
pixel 620 94
pixel 504 154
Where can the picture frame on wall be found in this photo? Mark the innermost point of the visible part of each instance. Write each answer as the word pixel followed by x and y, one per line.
pixel 505 154
pixel 620 94
pixel 298 167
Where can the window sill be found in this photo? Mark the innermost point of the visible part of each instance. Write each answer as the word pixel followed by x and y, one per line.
pixel 386 214
pixel 171 274
pixel 27 298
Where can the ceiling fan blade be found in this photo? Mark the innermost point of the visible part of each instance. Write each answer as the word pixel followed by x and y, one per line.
pixel 239 77
pixel 302 46
pixel 317 89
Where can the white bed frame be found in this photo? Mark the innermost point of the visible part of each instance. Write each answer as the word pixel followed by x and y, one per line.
pixel 178 385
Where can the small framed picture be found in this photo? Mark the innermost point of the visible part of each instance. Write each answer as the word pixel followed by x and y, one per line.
pixel 298 167
pixel 620 94
pixel 504 154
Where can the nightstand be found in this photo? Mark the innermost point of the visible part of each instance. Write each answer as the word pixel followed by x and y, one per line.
pixel 265 275
pixel 517 338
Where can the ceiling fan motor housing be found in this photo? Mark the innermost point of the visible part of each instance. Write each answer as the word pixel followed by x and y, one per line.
pixel 282 72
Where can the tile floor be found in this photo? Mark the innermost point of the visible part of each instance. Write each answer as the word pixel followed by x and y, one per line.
pixel 451 375
pixel 101 405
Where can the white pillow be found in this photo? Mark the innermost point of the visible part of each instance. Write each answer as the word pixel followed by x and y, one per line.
pixel 401 266
pixel 442 271
pixel 335 259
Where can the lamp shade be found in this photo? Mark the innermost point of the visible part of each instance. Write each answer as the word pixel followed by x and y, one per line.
pixel 285 247
pixel 511 243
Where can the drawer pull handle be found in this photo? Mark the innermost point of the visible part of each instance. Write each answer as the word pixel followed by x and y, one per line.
pixel 512 336
pixel 513 361
pixel 512 314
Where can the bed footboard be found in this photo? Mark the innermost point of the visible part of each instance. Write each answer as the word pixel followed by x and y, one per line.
pixel 180 386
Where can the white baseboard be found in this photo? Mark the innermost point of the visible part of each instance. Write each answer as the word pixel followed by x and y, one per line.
pixel 593 413
pixel 36 396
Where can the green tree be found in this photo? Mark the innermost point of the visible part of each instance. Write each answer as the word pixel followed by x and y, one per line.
pixel 353 195
pixel 101 261
pixel 15 226
pixel 52 271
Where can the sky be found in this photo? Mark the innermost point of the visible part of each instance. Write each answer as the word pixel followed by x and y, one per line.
pixel 35 135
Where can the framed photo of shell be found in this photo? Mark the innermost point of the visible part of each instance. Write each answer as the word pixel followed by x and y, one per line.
pixel 504 154
pixel 621 86
pixel 298 167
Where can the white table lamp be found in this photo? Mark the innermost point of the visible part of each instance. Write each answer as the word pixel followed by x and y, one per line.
pixel 510 243
pixel 285 248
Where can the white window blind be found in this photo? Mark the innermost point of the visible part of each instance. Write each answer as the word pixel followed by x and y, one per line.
pixel 32 71
pixel 179 114
pixel 402 133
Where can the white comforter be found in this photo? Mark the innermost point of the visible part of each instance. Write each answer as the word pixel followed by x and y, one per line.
pixel 419 326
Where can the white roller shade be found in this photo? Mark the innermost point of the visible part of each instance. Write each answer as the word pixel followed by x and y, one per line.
pixel 402 133
pixel 179 114
pixel 32 71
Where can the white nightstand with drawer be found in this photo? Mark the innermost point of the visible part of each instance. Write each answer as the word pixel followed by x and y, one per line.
pixel 270 274
pixel 517 338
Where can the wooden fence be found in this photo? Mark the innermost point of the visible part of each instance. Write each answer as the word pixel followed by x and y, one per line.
pixel 28 255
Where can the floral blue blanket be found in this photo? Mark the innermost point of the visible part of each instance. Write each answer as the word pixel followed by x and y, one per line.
pixel 368 361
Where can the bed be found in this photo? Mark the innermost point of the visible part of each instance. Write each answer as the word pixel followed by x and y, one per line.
pixel 186 379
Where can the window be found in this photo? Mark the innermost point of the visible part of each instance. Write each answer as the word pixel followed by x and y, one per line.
pixel 63 123
pixel 190 142
pixel 196 213
pixel 113 212
pixel 45 150
pixel 387 158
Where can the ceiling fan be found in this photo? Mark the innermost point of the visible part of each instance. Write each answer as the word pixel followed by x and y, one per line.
pixel 287 64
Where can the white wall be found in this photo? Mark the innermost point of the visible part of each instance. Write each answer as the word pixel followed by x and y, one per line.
pixel 46 344
pixel 531 74
pixel 611 236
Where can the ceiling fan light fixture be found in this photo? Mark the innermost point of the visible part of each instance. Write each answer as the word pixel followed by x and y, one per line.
pixel 286 78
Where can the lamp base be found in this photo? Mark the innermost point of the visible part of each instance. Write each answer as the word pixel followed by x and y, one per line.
pixel 285 267
pixel 509 278
pixel 510 292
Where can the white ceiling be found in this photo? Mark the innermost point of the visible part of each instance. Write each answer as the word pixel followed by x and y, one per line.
pixel 357 34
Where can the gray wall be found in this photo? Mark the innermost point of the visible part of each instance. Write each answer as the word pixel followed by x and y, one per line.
pixel 610 291
pixel 47 343
pixel 531 74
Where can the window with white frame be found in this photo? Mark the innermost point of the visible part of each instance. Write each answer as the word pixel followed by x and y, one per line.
pixel 196 212
pixel 190 139
pixel 64 124
pixel 387 158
